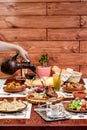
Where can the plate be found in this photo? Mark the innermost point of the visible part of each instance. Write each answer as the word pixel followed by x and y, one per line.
pixel 14 89
pixel 61 115
pixel 73 86
pixel 49 114
pixel 72 89
pixel 66 106
pixel 44 116
pixel 12 106
pixel 34 100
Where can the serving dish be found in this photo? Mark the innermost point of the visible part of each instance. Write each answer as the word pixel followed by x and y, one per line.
pixel 81 109
pixel 72 86
pixel 44 116
pixel 44 100
pixel 12 106
pixel 48 94
pixel 80 94
pixel 14 87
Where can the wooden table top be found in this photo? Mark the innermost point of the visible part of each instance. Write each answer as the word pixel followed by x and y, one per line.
pixel 37 123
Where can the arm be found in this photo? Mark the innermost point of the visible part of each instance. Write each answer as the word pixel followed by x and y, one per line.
pixel 4 46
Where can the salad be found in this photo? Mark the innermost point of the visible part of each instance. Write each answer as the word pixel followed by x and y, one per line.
pixel 78 104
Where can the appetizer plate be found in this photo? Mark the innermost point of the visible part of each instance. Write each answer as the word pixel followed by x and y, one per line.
pixel 12 106
pixel 36 100
pixel 14 86
pixel 14 89
pixel 66 106
pixel 71 87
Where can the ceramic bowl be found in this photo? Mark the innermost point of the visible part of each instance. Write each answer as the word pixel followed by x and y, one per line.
pixel 79 94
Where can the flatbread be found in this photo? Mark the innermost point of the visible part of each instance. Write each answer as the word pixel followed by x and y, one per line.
pixel 35 100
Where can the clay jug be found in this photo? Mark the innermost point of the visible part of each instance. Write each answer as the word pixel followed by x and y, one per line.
pixel 10 66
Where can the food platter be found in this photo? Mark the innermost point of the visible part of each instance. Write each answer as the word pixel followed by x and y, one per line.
pixel 14 87
pixel 66 106
pixel 12 106
pixel 37 100
pixel 72 90
pixel 14 90
pixel 71 87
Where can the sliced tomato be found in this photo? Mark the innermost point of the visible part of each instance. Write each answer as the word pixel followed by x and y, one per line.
pixel 84 104
pixel 83 108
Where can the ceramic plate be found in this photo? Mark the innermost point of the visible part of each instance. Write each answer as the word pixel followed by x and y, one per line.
pixel 66 106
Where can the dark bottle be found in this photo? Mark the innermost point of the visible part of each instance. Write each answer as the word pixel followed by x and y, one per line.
pixel 10 66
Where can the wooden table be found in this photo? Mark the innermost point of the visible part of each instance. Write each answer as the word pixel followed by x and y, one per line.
pixel 37 123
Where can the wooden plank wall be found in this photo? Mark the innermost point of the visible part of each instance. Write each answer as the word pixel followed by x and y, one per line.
pixel 58 27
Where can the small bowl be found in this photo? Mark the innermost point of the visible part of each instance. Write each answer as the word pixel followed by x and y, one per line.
pixel 79 94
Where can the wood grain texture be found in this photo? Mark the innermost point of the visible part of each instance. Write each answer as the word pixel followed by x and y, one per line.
pixel 39 47
pixel 83 46
pixel 37 123
pixel 62 59
pixel 22 8
pixel 56 27
pixel 58 58
pixel 67 34
pixel 39 0
pixel 83 21
pixel 39 22
pixel 22 34
pixel 68 8
pixel 83 69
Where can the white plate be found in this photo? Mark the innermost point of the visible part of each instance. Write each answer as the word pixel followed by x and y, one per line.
pixel 64 115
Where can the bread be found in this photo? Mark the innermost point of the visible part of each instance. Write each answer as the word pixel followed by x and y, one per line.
pixel 31 83
pixel 56 69
pixel 37 82
pixel 48 81
pixel 64 73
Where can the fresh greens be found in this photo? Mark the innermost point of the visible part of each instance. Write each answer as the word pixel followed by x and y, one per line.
pixel 75 105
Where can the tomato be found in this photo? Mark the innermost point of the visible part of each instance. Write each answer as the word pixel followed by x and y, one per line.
pixel 83 108
pixel 84 104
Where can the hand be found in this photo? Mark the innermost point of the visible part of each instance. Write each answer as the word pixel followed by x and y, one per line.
pixel 23 53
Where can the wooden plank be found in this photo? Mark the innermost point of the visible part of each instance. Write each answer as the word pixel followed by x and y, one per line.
pixel 22 34
pixel 63 59
pixel 62 34
pixel 3 23
pixel 83 69
pixel 75 68
pixel 38 0
pixel 68 59
pixel 75 59
pixel 67 34
pixel 83 46
pixel 67 8
pixel 83 21
pixel 22 8
pixel 37 47
pixel 39 21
